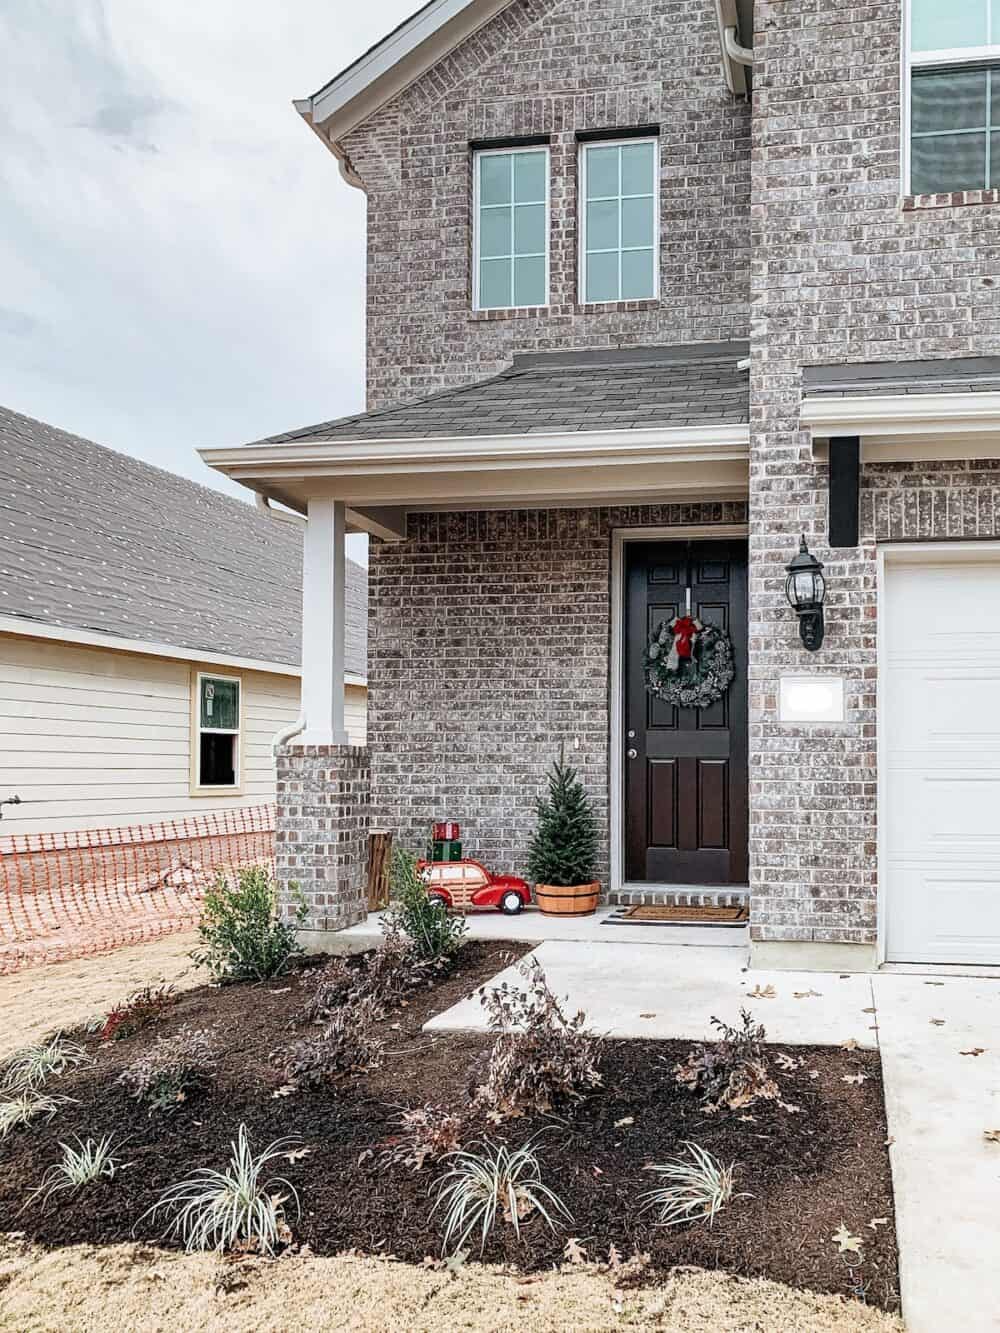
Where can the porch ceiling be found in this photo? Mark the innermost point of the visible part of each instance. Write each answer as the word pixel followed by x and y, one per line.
pixel 606 427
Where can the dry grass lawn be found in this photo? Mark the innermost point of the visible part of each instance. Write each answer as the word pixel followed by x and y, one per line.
pixel 143 1290
pixel 38 1000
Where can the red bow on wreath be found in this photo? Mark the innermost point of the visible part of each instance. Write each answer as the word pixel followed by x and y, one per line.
pixel 685 629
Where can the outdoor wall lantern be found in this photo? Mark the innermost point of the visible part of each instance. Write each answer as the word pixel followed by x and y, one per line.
pixel 805 589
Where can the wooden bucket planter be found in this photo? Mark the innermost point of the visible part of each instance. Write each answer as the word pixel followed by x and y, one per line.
pixel 574 900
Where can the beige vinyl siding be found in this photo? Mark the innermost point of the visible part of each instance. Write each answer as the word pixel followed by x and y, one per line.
pixel 93 738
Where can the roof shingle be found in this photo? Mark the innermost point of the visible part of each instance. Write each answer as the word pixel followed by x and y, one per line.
pixel 615 389
pixel 92 539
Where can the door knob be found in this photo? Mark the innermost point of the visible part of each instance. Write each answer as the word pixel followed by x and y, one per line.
pixel 632 754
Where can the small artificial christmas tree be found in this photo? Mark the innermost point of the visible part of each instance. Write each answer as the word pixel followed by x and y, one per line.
pixel 563 847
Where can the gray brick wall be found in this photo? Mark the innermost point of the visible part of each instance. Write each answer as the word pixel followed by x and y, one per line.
pixel 841 271
pixel 552 67
pixel 321 834
pixel 489 655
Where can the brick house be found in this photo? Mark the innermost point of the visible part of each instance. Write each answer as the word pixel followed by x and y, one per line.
pixel 655 289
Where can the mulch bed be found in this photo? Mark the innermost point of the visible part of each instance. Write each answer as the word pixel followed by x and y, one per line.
pixel 804 1174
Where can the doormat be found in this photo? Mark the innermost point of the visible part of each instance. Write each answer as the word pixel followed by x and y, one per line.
pixel 709 914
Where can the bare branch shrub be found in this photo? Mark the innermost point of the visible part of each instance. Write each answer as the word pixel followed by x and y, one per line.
pixel 427 1133
pixel 540 1057
pixel 347 1045
pixel 733 1071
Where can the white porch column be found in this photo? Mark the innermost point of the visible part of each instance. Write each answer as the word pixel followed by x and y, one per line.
pixel 323 625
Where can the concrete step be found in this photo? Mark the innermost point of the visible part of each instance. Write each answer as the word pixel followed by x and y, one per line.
pixel 680 895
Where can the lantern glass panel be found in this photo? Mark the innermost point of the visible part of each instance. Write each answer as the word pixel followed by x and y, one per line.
pixel 804 587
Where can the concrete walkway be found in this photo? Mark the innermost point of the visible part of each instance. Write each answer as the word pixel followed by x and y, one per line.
pixel 939 1101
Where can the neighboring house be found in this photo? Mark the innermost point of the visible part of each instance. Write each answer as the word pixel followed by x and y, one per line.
pixel 149 638
pixel 633 328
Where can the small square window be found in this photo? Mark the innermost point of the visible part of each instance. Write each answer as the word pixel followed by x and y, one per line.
pixel 510 228
pixel 619 215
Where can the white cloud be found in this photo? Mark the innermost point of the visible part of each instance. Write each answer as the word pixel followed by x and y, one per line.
pixel 180 261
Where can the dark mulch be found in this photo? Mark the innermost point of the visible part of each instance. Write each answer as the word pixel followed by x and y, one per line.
pixel 804 1174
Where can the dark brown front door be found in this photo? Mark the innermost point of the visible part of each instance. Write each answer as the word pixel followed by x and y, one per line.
pixel 685 768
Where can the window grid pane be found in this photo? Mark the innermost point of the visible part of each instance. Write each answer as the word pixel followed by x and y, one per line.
pixel 940 26
pixel 953 148
pixel 511 229
pixel 620 212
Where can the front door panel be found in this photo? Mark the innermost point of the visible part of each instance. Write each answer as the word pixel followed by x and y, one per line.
pixel 686 786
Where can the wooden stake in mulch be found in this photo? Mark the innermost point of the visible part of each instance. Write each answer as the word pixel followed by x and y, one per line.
pixel 379 862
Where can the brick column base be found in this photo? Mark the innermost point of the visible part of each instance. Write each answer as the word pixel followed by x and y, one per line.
pixel 321 833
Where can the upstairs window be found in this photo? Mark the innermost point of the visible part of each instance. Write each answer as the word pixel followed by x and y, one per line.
pixel 511 228
pixel 619 222
pixel 217 728
pixel 954 96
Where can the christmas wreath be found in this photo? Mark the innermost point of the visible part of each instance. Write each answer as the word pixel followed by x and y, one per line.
pixel 689 664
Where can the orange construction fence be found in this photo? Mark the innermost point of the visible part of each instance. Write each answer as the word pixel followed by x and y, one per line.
pixel 64 895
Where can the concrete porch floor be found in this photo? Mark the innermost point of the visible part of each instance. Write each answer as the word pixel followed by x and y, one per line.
pixel 939 1098
pixel 531 926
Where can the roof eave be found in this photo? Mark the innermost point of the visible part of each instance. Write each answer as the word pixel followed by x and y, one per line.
pixel 908 427
pixel 389 68
pixel 380 481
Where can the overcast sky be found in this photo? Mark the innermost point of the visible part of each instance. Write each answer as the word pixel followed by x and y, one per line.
pixel 180 262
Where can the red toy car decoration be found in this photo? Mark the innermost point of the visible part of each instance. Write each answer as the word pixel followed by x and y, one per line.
pixel 463 884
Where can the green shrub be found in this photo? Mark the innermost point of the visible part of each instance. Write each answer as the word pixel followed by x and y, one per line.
pixel 432 933
pixel 563 848
pixel 242 938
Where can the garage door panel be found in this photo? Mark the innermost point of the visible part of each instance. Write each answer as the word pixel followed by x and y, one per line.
pixel 944 710
pixel 938 814
pixel 940 714
pixel 941 915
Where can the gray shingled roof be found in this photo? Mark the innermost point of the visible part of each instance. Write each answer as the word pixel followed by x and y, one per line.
pixel 617 389
pixel 92 539
pixel 966 374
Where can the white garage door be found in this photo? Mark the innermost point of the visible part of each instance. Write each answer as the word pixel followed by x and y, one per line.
pixel 940 710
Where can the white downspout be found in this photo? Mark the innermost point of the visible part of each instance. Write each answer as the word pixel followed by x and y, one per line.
pixel 741 54
pixel 288 733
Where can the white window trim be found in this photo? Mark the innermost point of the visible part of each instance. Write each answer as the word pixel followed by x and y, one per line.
pixel 654 139
pixel 197 787
pixel 952 56
pixel 497 152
